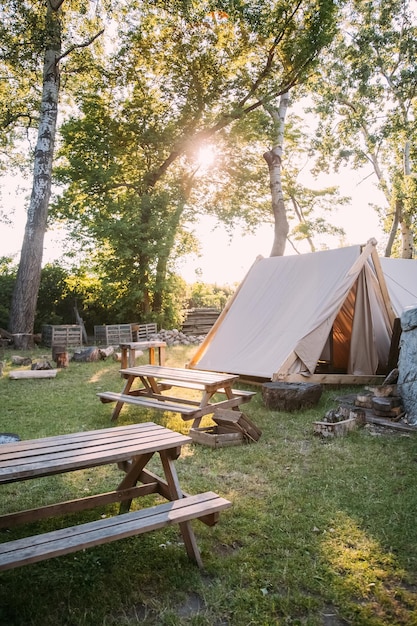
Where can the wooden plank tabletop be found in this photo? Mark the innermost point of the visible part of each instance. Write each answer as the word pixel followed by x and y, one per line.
pixel 181 374
pixel 52 455
pixel 138 345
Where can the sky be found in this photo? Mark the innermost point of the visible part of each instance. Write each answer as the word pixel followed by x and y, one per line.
pixel 221 261
pixel 226 262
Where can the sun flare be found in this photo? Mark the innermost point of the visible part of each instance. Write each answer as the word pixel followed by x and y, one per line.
pixel 206 156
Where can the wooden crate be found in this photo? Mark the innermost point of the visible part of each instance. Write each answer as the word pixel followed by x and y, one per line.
pixel 143 332
pixel 216 437
pixel 68 336
pixel 237 421
pixel 113 334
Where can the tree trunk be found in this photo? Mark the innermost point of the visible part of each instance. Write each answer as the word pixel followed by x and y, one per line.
pixel 23 307
pixel 393 230
pixel 407 241
pixel 274 160
pixel 407 238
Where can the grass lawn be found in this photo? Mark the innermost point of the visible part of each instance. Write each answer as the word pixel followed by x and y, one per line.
pixel 321 532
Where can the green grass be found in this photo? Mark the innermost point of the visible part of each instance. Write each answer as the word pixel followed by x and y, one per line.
pixel 321 532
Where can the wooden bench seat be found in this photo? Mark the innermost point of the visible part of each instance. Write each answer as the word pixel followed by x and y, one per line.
pixel 67 540
pixel 151 403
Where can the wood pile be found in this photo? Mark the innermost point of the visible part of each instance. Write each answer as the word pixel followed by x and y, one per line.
pixel 382 405
pixel 199 321
pixel 340 421
pixel 383 401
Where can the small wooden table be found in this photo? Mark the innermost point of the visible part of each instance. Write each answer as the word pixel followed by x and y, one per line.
pixel 157 379
pixel 131 447
pixel 129 350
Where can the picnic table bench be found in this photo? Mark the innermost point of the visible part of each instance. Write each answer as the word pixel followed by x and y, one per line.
pixel 156 380
pixel 131 448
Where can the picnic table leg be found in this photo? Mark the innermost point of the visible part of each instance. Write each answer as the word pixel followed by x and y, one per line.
pixel 205 401
pixel 133 471
pixel 118 407
pixel 123 363
pixel 176 494
pixel 132 357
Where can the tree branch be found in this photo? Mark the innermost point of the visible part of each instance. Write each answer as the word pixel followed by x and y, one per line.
pixel 80 45
pixel 56 4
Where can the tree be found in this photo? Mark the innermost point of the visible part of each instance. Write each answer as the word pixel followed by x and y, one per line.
pixel 274 160
pixel 42 30
pixel 177 80
pixel 365 95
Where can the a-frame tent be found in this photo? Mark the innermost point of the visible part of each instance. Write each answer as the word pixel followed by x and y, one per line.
pixel 324 316
pixel 401 279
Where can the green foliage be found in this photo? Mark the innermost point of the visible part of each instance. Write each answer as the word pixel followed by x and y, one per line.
pixel 97 298
pixel 209 296
pixel 365 96
pixel 8 272
pixel 23 36
pixel 178 77
pixel 55 303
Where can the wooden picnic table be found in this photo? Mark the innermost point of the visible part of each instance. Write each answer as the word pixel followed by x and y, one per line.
pixel 155 380
pixel 131 448
pixel 129 352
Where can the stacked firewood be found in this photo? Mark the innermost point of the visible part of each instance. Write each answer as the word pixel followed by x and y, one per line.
pixel 384 401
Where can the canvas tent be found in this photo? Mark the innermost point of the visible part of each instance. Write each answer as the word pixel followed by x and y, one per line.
pixel 295 316
pixel 401 280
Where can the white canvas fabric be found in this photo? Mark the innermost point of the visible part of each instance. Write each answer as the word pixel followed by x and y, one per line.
pixel 401 278
pixel 287 306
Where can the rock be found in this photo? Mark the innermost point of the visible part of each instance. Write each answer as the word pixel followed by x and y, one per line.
pixel 290 396
pixel 407 364
pixel 21 360
pixel 176 337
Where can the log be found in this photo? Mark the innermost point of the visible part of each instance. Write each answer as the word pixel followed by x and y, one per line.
pixel 86 356
pixel 15 374
pixel 60 356
pixel 106 352
pixel 386 404
pixel 290 396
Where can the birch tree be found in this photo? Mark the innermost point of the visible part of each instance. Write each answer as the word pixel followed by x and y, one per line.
pixel 274 160
pixel 42 27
